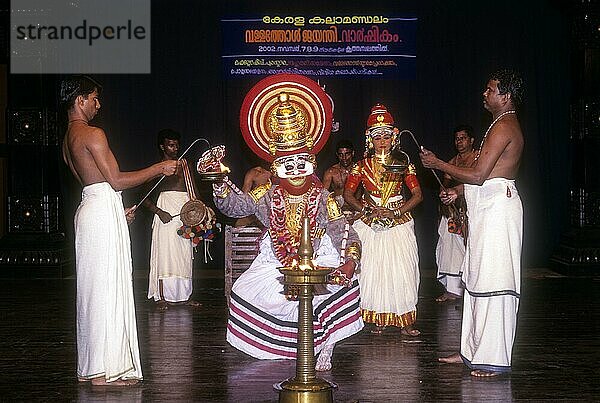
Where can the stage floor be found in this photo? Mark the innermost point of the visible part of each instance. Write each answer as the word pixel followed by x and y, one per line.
pixel 185 356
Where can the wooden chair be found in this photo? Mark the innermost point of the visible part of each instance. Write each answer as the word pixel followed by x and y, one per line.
pixel 241 248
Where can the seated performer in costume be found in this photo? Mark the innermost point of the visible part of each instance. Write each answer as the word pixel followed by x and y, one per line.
pixel 389 274
pixel 292 129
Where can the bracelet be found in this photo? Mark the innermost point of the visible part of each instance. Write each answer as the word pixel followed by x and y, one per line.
pixel 221 191
pixel 353 252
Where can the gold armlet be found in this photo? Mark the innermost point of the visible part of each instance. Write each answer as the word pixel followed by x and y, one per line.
pixel 259 191
pixel 334 211
pixel 222 193
pixel 353 252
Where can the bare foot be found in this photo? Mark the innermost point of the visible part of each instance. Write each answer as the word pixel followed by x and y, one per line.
pixel 410 331
pixel 378 330
pixel 447 296
pixel 324 359
pixel 451 359
pixel 484 374
pixel 162 305
pixel 119 382
pixel 80 379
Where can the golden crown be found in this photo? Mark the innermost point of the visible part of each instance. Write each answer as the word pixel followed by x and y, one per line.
pixel 287 124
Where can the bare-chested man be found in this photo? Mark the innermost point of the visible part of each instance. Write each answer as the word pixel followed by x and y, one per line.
pixel 335 177
pixel 171 256
pixel 492 265
pixel 107 343
pixel 450 249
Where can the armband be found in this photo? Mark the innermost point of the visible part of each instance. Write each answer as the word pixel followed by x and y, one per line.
pixel 353 252
pixel 259 191
pixel 221 191
pixel 334 212
pixel 410 177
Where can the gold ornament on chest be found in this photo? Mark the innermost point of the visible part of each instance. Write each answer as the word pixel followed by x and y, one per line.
pixel 295 207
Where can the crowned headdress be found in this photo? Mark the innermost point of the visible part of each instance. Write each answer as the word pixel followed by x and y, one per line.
pixel 286 114
pixel 379 122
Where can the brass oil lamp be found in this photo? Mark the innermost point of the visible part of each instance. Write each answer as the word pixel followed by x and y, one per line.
pixel 305 386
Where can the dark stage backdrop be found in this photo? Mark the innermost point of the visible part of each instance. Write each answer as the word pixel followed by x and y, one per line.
pixel 458 44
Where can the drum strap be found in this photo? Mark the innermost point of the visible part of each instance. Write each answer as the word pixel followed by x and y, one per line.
pixel 189 183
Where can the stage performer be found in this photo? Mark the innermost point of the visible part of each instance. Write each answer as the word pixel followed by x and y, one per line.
pixel 171 255
pixel 492 264
pixel 389 274
pixel 450 249
pixel 107 343
pixel 286 119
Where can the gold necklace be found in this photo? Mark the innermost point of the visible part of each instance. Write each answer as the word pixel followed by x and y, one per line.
pixel 294 210
pixel 490 128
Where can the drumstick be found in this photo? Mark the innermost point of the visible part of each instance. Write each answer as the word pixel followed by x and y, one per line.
pixel 164 176
pixel 420 147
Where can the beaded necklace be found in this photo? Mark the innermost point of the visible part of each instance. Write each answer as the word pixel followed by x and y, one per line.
pixel 490 128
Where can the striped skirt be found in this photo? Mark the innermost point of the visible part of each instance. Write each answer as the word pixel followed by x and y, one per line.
pixel 264 324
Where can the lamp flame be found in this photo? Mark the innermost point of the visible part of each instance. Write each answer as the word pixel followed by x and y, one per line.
pixel 224 168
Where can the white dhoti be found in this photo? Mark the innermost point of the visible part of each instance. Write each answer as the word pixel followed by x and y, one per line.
pixel 107 343
pixel 264 324
pixel 492 274
pixel 449 255
pixel 170 254
pixel 389 274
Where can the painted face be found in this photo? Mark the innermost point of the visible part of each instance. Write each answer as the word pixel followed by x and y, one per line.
pixel 382 143
pixel 294 166
pixel 462 141
pixel 345 156
pixel 170 148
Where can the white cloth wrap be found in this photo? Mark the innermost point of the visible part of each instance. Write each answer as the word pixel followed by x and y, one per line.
pixel 170 254
pixel 493 259
pixel 449 256
pixel 263 323
pixel 107 343
pixel 492 274
pixel 488 331
pixel 389 273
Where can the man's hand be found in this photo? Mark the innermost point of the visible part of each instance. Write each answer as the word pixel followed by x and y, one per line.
pixel 448 196
pixel 168 167
pixel 164 216
pixel 428 159
pixel 130 214
pixel 382 212
pixel 348 268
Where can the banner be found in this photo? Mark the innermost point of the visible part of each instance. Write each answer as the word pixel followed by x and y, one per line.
pixel 317 46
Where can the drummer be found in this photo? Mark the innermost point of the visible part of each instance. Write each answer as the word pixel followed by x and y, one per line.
pixel 170 279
